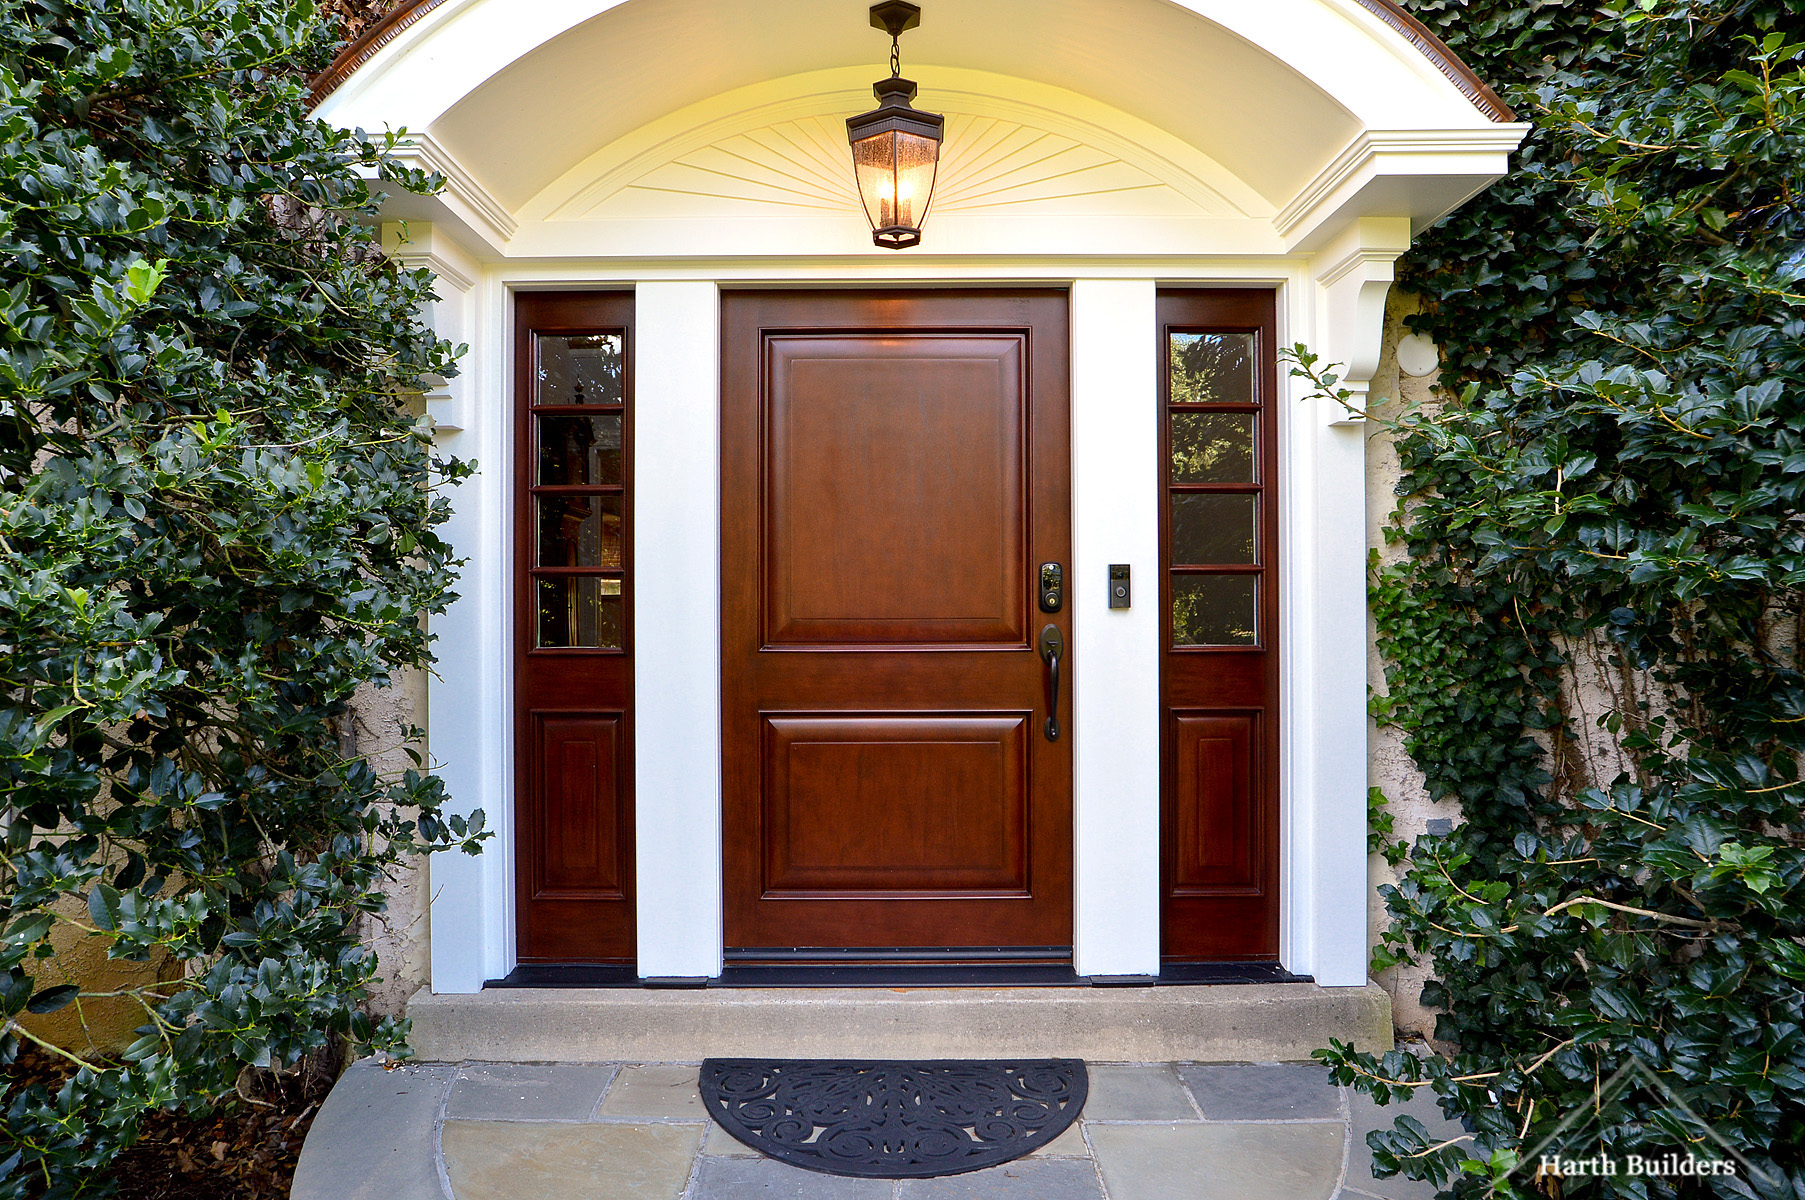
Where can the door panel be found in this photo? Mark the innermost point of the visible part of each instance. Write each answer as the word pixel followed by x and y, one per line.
pixel 1219 545
pixel 896 806
pixel 579 796
pixel 1214 849
pixel 573 673
pixel 896 450
pixel 895 467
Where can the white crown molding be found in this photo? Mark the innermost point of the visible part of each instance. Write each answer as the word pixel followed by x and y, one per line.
pixel 419 149
pixel 1413 152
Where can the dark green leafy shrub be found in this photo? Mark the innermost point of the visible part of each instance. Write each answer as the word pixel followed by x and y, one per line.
pixel 1612 503
pixel 217 518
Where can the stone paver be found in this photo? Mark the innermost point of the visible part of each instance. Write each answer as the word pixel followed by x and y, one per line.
pixel 1368 1117
pixel 654 1090
pixel 1024 1179
pixel 1219 1161
pixel 1148 1092
pixel 610 1131
pixel 1263 1091
pixel 1069 1144
pixel 721 1143
pixel 507 1160
pixel 767 1179
pixel 373 1139
pixel 528 1091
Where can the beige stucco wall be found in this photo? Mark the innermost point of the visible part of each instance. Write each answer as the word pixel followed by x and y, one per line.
pixel 94 1026
pixel 1388 766
pixel 401 935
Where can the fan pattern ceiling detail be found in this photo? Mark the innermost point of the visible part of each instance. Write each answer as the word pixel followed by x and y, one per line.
pixel 988 164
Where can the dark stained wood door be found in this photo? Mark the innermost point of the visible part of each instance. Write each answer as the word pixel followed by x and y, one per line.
pixel 573 662
pixel 895 470
pixel 1219 546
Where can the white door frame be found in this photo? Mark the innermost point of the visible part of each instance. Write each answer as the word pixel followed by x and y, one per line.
pixel 1115 498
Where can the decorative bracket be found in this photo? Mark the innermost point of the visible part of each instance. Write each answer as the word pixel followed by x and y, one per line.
pixel 414 244
pixel 1354 274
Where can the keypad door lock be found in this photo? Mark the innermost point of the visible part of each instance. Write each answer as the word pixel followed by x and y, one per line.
pixel 1052 587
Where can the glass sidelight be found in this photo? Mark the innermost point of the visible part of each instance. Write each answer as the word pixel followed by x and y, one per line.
pixel 573 665
pixel 578 490
pixel 1219 682
pixel 1215 550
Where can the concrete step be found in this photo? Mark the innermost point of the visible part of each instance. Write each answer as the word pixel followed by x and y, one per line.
pixel 1199 1023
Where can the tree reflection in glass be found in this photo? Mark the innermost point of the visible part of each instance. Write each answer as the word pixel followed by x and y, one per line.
pixel 1211 368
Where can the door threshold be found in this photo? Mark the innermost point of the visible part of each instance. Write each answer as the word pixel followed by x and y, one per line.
pixel 818 974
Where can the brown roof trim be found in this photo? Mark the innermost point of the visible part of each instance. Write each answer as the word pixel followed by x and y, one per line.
pixel 365 46
pixel 1437 52
pixel 1414 31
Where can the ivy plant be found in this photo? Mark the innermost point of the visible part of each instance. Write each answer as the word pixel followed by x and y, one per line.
pixel 1593 641
pixel 219 515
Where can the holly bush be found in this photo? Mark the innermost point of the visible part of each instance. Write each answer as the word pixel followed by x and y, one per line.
pixel 1594 636
pixel 218 511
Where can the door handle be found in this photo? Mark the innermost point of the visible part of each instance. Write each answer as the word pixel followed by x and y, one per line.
pixel 1052 649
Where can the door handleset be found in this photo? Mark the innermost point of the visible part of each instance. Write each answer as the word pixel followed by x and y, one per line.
pixel 1052 649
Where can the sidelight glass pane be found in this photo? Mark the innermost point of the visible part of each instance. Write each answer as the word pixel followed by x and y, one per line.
pixel 1212 447
pixel 580 531
pixel 1214 610
pixel 580 449
pixel 1211 368
pixel 1212 529
pixel 580 611
pixel 580 370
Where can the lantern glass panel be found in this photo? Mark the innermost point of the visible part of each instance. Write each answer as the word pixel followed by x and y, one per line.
pixel 896 177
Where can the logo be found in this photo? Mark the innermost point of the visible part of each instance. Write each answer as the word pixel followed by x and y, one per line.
pixel 1573 1149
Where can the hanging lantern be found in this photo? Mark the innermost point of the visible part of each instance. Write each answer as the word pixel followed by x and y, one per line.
pixel 895 149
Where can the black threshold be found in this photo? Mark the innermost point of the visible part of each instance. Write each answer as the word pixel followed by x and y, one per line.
pixel 890 968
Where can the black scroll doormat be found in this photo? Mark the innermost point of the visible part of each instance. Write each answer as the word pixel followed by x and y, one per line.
pixel 894 1120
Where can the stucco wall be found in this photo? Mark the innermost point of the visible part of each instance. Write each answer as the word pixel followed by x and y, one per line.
pixel 401 935
pixel 1388 766
pixel 92 1026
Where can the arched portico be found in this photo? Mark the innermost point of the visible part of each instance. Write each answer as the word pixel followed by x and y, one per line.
pixel 679 147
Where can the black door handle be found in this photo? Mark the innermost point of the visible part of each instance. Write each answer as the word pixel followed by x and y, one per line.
pixel 1052 648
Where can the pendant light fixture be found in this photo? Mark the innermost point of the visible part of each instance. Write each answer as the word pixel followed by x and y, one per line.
pixel 895 149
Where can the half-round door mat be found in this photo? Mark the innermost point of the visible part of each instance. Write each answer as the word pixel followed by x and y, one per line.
pixel 894 1120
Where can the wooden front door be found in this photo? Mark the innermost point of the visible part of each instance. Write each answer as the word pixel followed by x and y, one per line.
pixel 573 662
pixel 895 472
pixel 1219 539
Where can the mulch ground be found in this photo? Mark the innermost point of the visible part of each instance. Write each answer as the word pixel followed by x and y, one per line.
pixel 237 1152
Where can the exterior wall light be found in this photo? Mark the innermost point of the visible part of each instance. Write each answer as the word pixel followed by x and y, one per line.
pixel 895 149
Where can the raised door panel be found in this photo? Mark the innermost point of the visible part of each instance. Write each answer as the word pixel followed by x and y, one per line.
pixel 582 846
pixel 896 480
pixel 1215 850
pixel 917 805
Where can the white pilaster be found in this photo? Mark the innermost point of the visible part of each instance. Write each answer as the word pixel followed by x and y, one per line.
pixel 1352 277
pixel 1116 709
pixel 469 694
pixel 677 623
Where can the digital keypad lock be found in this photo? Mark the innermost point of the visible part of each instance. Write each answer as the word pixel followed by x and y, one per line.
pixel 1052 587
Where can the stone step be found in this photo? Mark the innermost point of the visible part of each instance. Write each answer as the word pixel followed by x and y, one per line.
pixel 1194 1023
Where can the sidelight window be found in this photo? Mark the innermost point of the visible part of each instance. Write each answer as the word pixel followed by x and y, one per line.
pixel 1216 554
pixel 578 494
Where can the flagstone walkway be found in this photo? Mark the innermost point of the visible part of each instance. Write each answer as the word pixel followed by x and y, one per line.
pixel 638 1131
